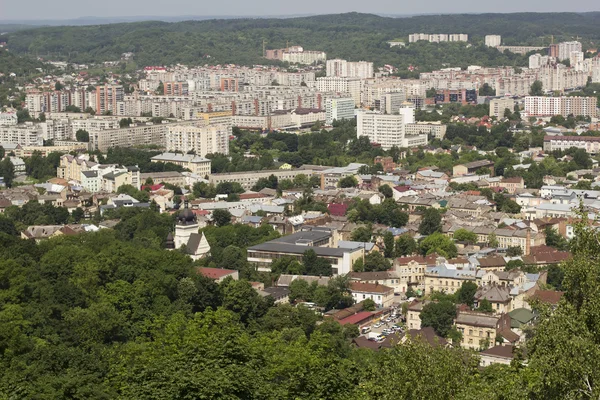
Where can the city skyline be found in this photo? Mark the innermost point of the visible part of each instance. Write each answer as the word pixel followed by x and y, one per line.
pixel 70 9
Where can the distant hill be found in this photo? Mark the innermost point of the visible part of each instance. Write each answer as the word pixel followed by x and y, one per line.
pixel 352 36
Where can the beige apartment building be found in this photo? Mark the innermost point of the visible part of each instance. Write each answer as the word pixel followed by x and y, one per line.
pixel 71 167
pixel 138 135
pixel 250 178
pixel 479 330
pixel 196 164
pixel 201 140
pixel 498 106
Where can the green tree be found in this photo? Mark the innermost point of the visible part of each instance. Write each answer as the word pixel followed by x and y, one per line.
pixel 405 246
pixel 463 235
pixel 362 234
pixel 438 243
pixel 492 240
pixel 431 222
pixel 82 135
pixel 439 315
pixel 485 306
pixel 348 181
pixel 374 261
pixel 466 293
pixel 536 89
pixel 221 217
pixel 486 90
pixel 315 265
pixel 7 171
pixel 388 242
pixel 387 191
pixel 554 239
pixel 369 305
pixel 514 251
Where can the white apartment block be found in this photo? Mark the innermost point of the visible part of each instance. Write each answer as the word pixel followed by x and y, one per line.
pixel 343 68
pixel 590 144
pixel 304 57
pixel 389 130
pixel 8 119
pixel 202 140
pixel 560 78
pixel 28 134
pixel 438 37
pixel 566 48
pixel 498 106
pixel 565 106
pixel 575 58
pixel 390 103
pixel 537 60
pixel 341 85
pixel 338 109
pixel 493 40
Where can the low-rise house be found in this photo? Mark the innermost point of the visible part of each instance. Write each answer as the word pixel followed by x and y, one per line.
pixel 480 330
pixel 385 278
pixel 498 296
pixel 411 271
pixel 281 295
pixel 382 295
pixel 219 274
pixel 497 355
pixel 413 314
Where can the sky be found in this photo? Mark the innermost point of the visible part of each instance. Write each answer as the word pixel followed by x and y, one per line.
pixel 70 9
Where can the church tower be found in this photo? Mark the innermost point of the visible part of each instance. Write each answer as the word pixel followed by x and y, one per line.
pixel 187 224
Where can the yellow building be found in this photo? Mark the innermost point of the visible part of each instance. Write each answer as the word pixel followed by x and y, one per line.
pixel 479 330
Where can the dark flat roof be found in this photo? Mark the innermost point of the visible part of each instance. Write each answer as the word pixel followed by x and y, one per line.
pixel 295 249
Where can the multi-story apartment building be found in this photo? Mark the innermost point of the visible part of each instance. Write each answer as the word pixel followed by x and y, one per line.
pixel 557 77
pixel 493 40
pixel 566 48
pixel 135 135
pixel 11 118
pixel 389 130
pixel 390 103
pixel 196 164
pixel 296 55
pixel 71 167
pixel 537 60
pixel 591 144
pixel 479 330
pixel 499 106
pixel 202 140
pixel 107 97
pixel 250 178
pixel 434 128
pixel 565 106
pixel 438 37
pixel 28 134
pixel 175 88
pixel 338 109
pixel 341 85
pixel 343 68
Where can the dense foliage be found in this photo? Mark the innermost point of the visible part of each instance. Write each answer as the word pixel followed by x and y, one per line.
pixel 351 36
pixel 113 315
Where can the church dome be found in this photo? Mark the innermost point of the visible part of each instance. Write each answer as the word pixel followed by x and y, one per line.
pixel 187 216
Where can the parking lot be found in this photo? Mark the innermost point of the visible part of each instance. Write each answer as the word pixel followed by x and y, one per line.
pixel 385 323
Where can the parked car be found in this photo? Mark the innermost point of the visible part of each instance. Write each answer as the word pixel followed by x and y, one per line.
pixel 365 330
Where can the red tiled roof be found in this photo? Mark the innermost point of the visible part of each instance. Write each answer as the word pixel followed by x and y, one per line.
pixel 369 288
pixel 548 296
pixel 402 189
pixel 499 351
pixel 356 318
pixel 153 188
pixel 419 259
pixel 337 210
pixel 247 196
pixel 215 273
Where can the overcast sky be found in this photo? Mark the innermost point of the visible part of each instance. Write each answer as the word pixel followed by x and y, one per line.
pixel 67 9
